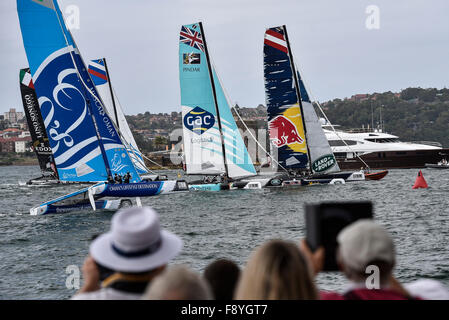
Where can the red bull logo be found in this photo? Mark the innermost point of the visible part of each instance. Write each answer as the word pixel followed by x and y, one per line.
pixel 283 132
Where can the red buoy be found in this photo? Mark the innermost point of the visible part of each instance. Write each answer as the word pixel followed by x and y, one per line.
pixel 420 182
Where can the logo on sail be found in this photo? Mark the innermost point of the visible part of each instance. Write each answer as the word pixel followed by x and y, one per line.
pixel 283 132
pixel 323 163
pixel 116 163
pixel 199 120
pixel 191 58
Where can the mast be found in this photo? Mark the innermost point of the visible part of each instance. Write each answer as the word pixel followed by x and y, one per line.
pixel 112 93
pixel 214 93
pixel 295 78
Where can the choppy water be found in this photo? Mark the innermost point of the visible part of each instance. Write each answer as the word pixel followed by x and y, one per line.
pixel 36 250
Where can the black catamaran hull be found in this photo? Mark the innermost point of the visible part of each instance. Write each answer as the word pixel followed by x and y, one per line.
pixel 51 181
pixel 104 205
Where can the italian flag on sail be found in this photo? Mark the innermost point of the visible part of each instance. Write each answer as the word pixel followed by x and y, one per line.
pixel 26 79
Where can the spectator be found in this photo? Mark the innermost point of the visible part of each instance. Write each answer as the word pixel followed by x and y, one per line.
pixel 123 261
pixel 178 283
pixel 222 276
pixel 276 270
pixel 361 244
pixel 429 289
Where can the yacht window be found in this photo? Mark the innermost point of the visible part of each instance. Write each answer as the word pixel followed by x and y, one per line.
pixel 383 140
pixel 340 143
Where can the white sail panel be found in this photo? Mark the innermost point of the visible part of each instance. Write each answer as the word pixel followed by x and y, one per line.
pixel 97 71
pixel 320 153
pixel 202 148
pixel 238 160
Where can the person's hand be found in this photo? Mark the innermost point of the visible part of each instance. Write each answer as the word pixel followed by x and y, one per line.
pixel 91 276
pixel 316 259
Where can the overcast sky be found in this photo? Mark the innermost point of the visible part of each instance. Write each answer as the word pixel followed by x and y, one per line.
pixel 337 54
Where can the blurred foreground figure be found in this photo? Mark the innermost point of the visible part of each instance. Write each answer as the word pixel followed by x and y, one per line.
pixel 277 270
pixel 428 289
pixel 124 260
pixel 366 255
pixel 222 276
pixel 178 283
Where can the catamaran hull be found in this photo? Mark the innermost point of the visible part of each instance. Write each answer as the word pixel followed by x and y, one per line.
pixel 241 184
pixel 47 181
pixel 105 205
pixel 140 189
pixel 333 178
pixel 89 198
pixel 209 187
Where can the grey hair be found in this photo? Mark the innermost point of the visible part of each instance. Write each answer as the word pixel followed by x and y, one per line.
pixel 178 283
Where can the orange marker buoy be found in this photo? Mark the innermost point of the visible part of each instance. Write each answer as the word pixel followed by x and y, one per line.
pixel 420 182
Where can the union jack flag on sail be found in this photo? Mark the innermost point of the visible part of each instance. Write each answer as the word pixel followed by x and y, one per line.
pixel 191 38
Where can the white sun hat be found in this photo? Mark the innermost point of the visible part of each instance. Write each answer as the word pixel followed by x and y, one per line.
pixel 135 243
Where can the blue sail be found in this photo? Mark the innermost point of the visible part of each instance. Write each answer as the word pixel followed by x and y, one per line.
pixel 285 121
pixel 85 143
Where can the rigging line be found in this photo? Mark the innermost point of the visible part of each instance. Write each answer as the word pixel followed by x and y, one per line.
pixel 312 97
pixel 244 124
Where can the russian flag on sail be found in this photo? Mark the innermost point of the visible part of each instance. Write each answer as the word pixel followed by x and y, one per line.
pixel 97 71
pixel 276 40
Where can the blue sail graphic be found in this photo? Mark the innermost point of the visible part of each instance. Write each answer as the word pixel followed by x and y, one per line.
pixel 85 143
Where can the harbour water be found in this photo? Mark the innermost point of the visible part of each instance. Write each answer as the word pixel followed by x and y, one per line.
pixel 35 251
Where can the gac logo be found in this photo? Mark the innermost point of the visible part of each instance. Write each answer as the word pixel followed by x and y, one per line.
pixel 199 120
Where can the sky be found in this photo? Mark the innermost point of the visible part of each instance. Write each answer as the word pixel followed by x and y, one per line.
pixel 338 53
